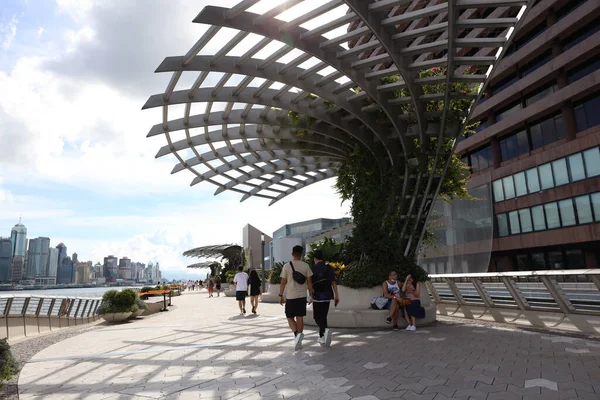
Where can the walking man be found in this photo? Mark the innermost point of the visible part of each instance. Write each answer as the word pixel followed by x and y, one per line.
pixel 325 289
pixel 241 288
pixel 295 280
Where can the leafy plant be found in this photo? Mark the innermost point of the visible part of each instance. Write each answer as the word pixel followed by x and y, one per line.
pixel 275 275
pixel 8 365
pixel 141 304
pixel 229 275
pixel 330 248
pixel 114 301
pixel 146 289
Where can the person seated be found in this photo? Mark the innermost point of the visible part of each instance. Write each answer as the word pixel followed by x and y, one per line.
pixel 412 311
pixel 391 291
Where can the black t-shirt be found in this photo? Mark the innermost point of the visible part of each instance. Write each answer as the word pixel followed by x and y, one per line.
pixel 323 277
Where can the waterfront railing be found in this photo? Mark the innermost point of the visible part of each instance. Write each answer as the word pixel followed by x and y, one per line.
pixel 563 299
pixel 30 315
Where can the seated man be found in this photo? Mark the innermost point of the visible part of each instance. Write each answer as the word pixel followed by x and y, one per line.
pixel 391 291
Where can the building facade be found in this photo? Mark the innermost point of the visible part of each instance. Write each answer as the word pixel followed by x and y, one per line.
pixel 538 139
pixel 66 272
pixel 111 268
pixel 5 259
pixel 18 236
pixel 125 271
pixel 37 257
pixel 253 250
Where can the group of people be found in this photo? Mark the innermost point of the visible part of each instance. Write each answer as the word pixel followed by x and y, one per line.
pixel 242 282
pixel 193 285
pixel 213 284
pixel 405 299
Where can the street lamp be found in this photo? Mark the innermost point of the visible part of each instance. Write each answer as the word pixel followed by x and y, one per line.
pixel 262 260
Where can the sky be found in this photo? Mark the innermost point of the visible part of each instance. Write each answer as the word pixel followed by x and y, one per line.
pixel 75 163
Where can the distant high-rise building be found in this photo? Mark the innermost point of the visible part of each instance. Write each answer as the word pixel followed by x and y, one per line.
pixel 83 273
pixel 5 258
pixel 52 269
pixel 125 269
pixel 16 269
pixel 111 268
pixel 18 236
pixel 75 258
pixel 37 257
pixel 98 271
pixel 62 253
pixel 66 272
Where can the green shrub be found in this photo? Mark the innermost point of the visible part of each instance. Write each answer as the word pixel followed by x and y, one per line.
pixel 331 251
pixel 141 304
pixel 146 289
pixel 114 301
pixel 8 365
pixel 229 275
pixel 275 275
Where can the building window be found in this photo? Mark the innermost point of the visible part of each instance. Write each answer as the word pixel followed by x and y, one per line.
pixel 552 218
pixel 574 259
pixel 525 217
pixel 584 209
pixel 515 228
pixel 539 221
pixel 479 160
pixel 502 225
pixel 546 176
pixel 592 161
pixel 538 261
pixel 511 109
pixel 576 168
pixel 520 184
pixel 556 260
pixel 506 82
pixel 535 64
pixel 529 36
pixel 498 190
pixel 596 206
pixel 560 172
pixel 533 180
pixel 568 8
pixel 586 113
pixel 547 131
pixel 583 70
pixel 509 188
pixel 581 35
pixel 540 94
pixel 567 212
pixel 514 145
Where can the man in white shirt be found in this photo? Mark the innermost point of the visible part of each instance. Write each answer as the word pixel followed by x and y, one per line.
pixel 295 299
pixel 241 288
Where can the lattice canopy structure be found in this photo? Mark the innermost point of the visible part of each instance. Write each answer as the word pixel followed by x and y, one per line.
pixel 286 89
pixel 231 252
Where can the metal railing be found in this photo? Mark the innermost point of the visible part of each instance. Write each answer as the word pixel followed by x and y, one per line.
pixel 566 299
pixel 30 315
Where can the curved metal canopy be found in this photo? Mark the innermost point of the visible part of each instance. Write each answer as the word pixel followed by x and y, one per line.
pixel 260 62
pixel 220 250
pixel 204 265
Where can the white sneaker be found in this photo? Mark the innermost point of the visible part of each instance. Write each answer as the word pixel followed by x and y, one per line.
pixel 413 328
pixel 409 328
pixel 321 341
pixel 327 337
pixel 298 341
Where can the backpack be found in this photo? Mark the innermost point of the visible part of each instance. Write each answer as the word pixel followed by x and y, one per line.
pixel 297 276
pixel 321 285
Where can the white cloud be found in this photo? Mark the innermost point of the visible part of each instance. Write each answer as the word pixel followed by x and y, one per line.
pixel 8 32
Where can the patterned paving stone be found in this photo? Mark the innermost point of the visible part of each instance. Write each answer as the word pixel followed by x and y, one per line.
pixel 170 356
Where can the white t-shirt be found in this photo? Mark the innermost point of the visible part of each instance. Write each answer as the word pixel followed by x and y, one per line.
pixel 241 281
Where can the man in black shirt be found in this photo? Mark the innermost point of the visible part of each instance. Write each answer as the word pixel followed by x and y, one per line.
pixel 324 290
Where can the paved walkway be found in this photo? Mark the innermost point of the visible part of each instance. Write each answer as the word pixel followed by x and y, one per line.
pixel 202 350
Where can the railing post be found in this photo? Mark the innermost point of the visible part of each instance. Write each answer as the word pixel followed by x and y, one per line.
pixel 456 291
pixel 6 311
pixel 487 300
pixel 434 293
pixel 77 310
pixel 558 294
pixel 515 293
pixel 596 280
pixel 23 312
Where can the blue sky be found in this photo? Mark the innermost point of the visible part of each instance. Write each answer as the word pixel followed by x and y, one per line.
pixel 75 162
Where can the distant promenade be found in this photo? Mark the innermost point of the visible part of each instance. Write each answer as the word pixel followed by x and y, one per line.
pixel 202 349
pixel 67 292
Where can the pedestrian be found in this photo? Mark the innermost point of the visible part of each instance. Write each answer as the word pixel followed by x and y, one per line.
pixel 218 285
pixel 240 280
pixel 295 280
pixel 255 290
pixel 324 290
pixel 413 310
pixel 210 287
pixel 391 291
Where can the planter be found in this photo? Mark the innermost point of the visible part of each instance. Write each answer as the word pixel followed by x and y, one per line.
pixel 116 317
pixel 271 295
pixel 137 313
pixel 230 291
pixel 354 310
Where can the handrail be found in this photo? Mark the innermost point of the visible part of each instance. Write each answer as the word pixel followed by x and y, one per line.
pixel 568 299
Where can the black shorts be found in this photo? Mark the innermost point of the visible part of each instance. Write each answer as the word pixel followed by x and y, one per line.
pixel 240 295
pixel 295 307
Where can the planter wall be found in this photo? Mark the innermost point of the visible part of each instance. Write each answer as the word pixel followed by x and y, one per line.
pixel 271 295
pixel 354 310
pixel 116 317
pixel 230 291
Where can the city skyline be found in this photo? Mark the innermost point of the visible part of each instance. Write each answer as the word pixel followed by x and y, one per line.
pixel 94 182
